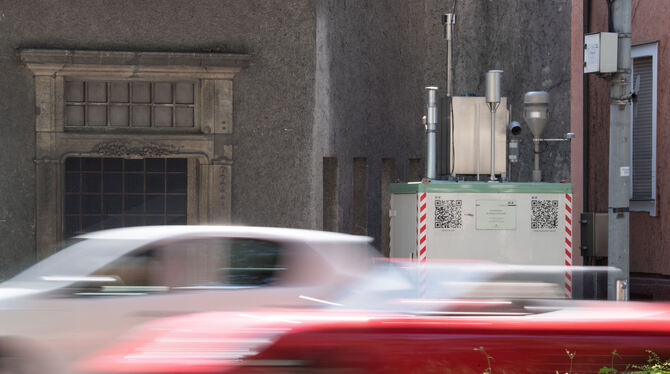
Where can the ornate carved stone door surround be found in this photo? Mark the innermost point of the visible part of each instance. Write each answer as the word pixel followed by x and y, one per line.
pixel 207 110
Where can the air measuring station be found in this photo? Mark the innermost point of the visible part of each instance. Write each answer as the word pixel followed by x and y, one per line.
pixel 478 214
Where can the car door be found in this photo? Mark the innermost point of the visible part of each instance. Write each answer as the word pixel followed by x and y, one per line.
pixel 197 274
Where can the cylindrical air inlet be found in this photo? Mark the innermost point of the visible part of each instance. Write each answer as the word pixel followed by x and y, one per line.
pixel 493 83
pixel 431 128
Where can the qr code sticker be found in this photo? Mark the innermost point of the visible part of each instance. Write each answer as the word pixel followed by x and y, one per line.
pixel 448 214
pixel 544 214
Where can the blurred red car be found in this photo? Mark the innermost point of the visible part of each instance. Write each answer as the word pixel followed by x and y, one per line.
pixel 410 335
pixel 312 341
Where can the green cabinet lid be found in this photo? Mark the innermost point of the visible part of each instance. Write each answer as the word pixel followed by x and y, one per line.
pixel 479 187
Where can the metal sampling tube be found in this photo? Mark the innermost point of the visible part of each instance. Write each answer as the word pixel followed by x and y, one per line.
pixel 431 128
pixel 448 20
pixel 493 83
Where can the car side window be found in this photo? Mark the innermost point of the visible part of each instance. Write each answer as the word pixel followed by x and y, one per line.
pixel 138 273
pixel 252 262
pixel 222 263
pixel 188 264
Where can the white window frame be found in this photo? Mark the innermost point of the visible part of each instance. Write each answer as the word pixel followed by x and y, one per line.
pixel 649 49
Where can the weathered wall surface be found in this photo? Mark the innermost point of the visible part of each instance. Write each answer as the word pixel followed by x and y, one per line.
pixel 378 57
pixel 273 102
pixel 326 78
pixel 370 54
pixel 530 41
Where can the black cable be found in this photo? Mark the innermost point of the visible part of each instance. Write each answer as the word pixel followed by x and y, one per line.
pixel 546 146
pixel 610 21
pixel 451 123
pixel 450 98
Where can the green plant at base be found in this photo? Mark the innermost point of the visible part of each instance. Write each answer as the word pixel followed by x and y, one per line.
pixel 572 357
pixel 488 359
pixel 606 370
pixel 654 365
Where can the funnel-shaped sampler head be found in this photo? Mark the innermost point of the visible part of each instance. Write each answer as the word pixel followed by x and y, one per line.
pixel 536 111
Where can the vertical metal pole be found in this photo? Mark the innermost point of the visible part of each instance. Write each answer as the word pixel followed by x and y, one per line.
pixel 431 128
pixel 621 290
pixel 537 173
pixel 449 20
pixel 492 177
pixel 619 155
pixel 493 84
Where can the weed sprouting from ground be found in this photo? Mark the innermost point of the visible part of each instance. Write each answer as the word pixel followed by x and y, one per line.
pixel 654 365
pixel 488 359
pixel 571 355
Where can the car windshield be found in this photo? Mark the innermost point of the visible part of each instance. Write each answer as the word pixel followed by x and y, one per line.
pixel 73 263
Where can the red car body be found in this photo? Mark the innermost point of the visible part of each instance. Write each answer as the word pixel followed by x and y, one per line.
pixel 536 337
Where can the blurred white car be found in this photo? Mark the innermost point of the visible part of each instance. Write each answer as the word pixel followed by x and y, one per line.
pixel 78 299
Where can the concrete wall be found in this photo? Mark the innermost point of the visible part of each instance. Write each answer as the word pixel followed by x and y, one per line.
pixel 273 103
pixel 530 41
pixel 378 57
pixel 369 96
pixel 327 78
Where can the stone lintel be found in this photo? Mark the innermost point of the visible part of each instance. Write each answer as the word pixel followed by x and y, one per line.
pixel 133 64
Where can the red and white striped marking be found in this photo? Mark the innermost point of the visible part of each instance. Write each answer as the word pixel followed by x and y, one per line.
pixel 421 239
pixel 390 218
pixel 568 245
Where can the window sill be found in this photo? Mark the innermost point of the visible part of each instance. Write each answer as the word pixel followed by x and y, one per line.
pixel 643 206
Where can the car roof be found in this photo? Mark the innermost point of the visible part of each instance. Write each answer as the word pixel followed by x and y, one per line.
pixel 169 231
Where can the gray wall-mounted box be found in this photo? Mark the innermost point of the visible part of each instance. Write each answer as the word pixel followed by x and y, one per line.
pixel 594 234
pixel 600 52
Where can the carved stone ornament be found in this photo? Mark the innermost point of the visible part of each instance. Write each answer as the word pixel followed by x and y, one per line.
pixel 119 149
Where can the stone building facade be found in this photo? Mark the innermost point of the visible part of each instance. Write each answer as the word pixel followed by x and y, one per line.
pixel 280 113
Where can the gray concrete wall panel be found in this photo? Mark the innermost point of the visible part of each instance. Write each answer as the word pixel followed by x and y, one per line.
pixel 530 41
pixel 327 78
pixel 273 97
pixel 370 54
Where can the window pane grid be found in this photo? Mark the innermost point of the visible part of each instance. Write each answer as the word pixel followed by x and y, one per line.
pixel 102 193
pixel 130 104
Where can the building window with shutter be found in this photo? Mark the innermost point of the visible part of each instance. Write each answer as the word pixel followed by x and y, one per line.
pixel 643 113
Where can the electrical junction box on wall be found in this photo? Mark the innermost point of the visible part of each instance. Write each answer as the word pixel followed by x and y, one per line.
pixel 594 234
pixel 600 52
pixel 510 223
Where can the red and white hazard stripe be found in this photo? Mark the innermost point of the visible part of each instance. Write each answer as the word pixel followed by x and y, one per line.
pixel 421 239
pixel 568 245
pixel 421 226
pixel 390 218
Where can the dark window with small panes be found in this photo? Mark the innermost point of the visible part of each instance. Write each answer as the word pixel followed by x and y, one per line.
pixel 253 262
pixel 103 193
